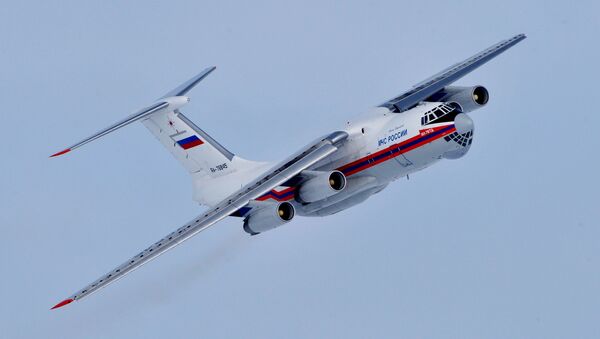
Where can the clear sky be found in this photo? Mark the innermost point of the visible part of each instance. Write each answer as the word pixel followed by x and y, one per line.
pixel 503 243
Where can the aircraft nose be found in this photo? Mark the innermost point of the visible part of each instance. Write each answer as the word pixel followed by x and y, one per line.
pixel 463 123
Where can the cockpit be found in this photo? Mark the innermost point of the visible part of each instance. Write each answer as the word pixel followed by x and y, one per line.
pixel 439 114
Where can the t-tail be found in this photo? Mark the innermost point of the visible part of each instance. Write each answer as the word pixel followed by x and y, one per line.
pixel 215 171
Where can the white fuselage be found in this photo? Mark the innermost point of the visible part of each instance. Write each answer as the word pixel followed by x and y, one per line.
pixel 382 147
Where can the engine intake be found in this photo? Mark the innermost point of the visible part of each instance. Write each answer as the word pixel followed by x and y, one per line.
pixel 269 217
pixel 321 185
pixel 480 95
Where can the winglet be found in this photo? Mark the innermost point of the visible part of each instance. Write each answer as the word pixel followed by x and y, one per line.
pixel 66 150
pixel 62 303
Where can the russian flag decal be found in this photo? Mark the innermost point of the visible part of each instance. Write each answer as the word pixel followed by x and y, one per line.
pixel 190 142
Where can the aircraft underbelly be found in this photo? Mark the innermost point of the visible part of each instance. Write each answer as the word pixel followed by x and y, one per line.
pixel 356 186
pixel 388 170
pixel 347 203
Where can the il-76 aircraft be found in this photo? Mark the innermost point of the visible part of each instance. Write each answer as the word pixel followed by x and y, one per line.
pixel 403 135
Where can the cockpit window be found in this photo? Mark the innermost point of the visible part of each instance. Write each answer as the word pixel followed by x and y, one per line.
pixel 439 114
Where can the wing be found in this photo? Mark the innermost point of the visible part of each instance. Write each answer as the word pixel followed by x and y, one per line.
pixel 431 85
pixel 263 184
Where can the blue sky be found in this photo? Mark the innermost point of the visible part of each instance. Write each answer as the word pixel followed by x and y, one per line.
pixel 501 243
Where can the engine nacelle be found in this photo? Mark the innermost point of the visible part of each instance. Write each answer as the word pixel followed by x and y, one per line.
pixel 466 99
pixel 269 217
pixel 321 186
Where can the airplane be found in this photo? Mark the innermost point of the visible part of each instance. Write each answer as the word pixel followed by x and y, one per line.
pixel 405 134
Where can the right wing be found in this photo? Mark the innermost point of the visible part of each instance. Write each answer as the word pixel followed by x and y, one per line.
pixel 263 184
pixel 433 84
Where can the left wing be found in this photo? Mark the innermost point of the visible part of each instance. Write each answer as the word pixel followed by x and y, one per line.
pixel 431 85
pixel 263 184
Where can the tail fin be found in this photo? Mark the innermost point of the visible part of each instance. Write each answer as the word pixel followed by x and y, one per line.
pixel 191 146
pixel 216 172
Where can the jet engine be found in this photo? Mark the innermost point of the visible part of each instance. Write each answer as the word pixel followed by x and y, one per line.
pixel 466 99
pixel 321 185
pixel 269 217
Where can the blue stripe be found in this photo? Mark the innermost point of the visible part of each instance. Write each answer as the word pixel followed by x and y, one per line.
pixel 398 149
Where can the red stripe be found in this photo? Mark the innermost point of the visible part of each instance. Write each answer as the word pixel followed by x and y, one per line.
pixel 421 134
pixel 273 195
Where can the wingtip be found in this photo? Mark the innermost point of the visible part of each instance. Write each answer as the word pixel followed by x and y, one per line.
pixel 62 303
pixel 67 150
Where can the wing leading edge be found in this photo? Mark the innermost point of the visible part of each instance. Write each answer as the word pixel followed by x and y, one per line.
pixel 263 184
pixel 429 86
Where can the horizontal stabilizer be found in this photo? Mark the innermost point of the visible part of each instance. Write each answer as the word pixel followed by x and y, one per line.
pixel 134 117
pixel 170 102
